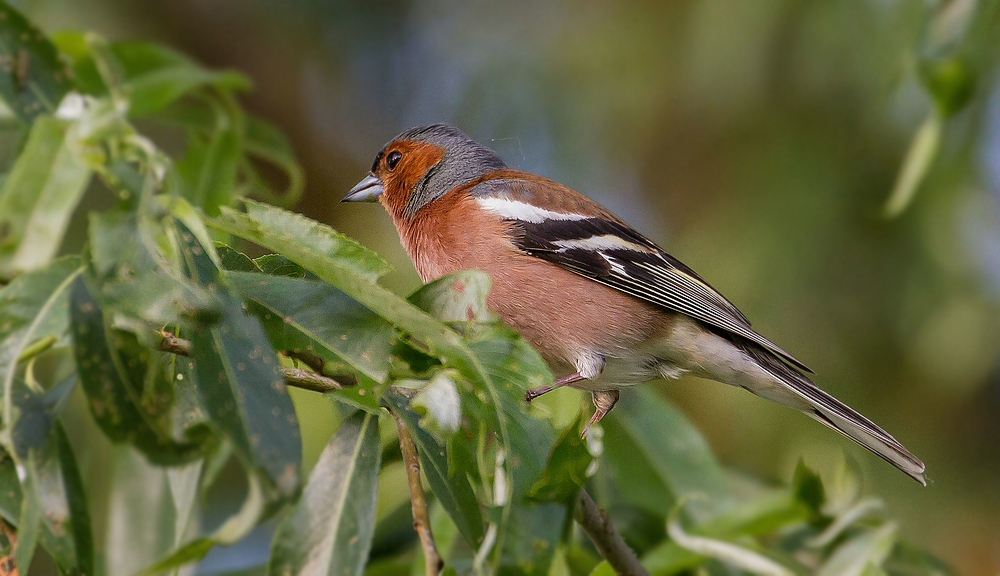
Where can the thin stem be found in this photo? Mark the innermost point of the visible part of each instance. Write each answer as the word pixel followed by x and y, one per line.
pixel 433 564
pixel 295 377
pixel 602 533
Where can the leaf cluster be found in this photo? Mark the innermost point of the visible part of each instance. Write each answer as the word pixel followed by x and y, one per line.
pixel 167 260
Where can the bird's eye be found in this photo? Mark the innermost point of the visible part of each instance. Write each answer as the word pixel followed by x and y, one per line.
pixel 392 159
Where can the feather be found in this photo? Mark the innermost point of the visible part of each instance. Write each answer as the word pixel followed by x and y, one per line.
pixel 835 414
pixel 592 243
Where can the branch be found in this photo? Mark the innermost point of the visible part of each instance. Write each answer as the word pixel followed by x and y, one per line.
pixel 602 533
pixel 421 520
pixel 295 377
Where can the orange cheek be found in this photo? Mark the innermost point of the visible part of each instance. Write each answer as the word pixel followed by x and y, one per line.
pixel 399 184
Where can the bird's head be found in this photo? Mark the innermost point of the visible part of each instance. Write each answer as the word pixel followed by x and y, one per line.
pixel 421 165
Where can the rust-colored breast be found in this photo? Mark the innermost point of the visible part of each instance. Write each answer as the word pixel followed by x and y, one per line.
pixel 560 313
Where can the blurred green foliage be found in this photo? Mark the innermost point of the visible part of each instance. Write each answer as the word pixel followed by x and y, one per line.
pixel 120 458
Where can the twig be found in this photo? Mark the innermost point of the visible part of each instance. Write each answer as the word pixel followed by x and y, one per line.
pixel 602 533
pixel 421 521
pixel 295 377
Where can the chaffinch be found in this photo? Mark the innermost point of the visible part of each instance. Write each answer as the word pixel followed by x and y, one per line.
pixel 603 305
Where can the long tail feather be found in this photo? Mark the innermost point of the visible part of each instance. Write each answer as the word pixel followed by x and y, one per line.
pixel 806 396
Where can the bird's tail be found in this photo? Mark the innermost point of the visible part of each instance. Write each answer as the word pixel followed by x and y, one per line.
pixel 799 392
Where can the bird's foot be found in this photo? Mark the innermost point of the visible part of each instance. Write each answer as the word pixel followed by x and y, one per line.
pixel 536 392
pixel 604 401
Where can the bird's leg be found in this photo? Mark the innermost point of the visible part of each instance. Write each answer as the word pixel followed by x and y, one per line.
pixel 535 393
pixel 604 401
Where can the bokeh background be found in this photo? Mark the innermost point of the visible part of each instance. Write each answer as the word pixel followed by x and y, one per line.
pixel 757 141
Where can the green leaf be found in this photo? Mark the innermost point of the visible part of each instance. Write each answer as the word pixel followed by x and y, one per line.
pixel 450 486
pixel 278 265
pixel 140 513
pixel 38 197
pixel 138 272
pixel 129 391
pixel 304 241
pixel 853 556
pixel 32 308
pixel 29 523
pixel 209 166
pixel 950 81
pixel 153 76
pixel 918 161
pixel 10 489
pixel 528 537
pixel 240 382
pixel 264 142
pixel 566 470
pixel 33 80
pixel 459 300
pixel 808 488
pixel 234 260
pixel 353 269
pixel 53 491
pixel 645 427
pixel 330 529
pixel 310 316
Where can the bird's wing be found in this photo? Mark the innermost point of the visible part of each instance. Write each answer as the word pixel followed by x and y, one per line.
pixel 557 224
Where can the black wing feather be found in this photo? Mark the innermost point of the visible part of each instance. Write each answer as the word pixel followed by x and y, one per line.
pixel 646 272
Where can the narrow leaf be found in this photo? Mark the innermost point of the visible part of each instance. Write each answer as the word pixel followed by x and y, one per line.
pixel 240 382
pixel 38 197
pixel 330 530
pixel 32 307
pixel 270 227
pixel 33 79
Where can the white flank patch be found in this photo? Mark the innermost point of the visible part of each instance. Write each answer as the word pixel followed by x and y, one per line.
pixel 597 243
pixel 515 210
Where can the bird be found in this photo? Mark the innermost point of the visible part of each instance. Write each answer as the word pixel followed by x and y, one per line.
pixel 606 307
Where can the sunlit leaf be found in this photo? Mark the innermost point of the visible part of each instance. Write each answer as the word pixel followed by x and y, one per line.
pixel 727 552
pixel 305 241
pixel 330 530
pixel 38 197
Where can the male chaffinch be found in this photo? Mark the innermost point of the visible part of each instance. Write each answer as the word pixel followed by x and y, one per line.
pixel 604 305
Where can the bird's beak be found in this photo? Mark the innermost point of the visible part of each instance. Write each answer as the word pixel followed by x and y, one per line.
pixel 368 190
